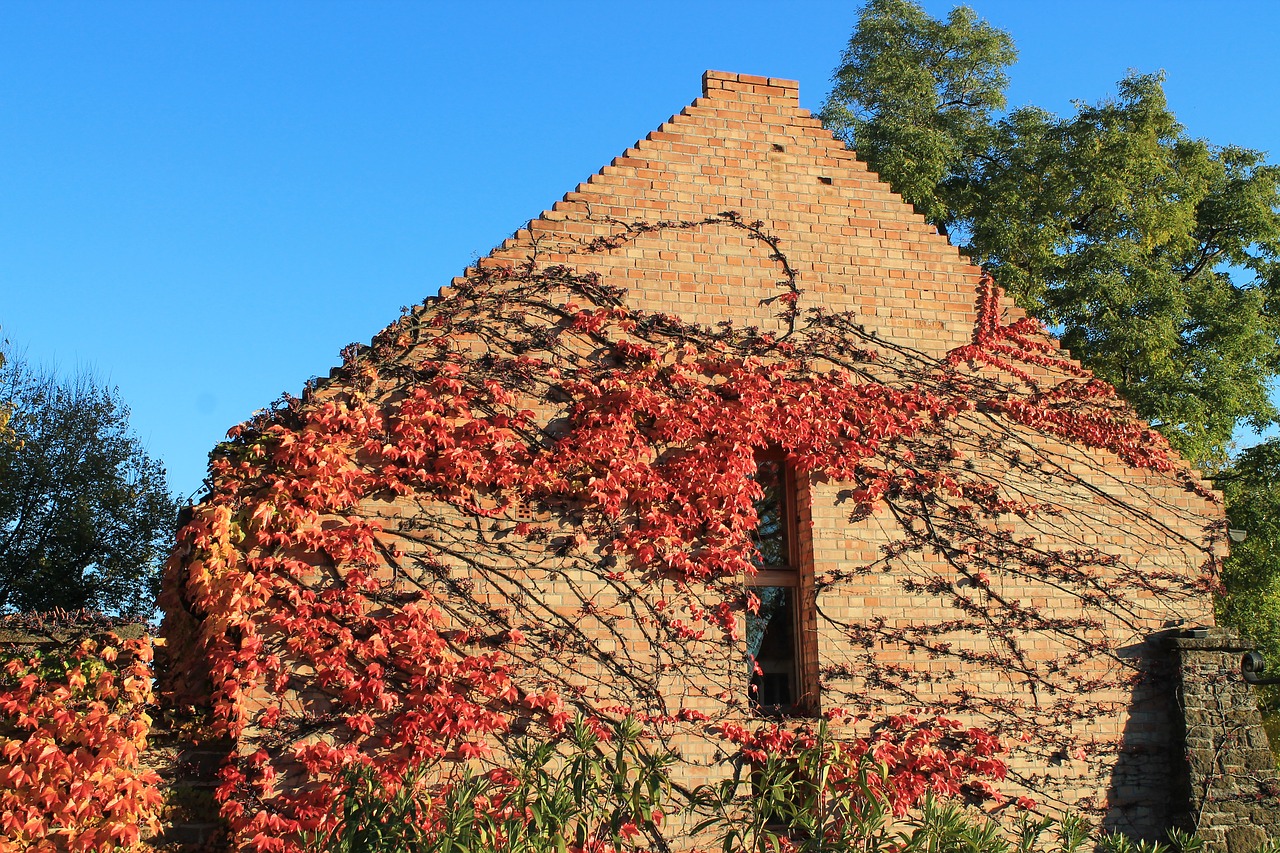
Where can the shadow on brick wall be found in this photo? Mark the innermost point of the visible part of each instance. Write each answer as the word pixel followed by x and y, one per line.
pixel 1145 761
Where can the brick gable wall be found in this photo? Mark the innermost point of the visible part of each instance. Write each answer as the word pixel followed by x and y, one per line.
pixel 1099 725
pixel 747 146
pixel 1043 626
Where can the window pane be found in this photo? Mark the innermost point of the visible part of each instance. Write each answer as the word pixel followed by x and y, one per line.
pixel 770 537
pixel 771 649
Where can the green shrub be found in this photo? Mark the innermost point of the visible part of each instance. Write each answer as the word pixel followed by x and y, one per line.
pixel 596 789
pixel 599 790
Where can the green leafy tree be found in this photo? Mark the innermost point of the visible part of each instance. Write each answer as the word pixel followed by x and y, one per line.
pixel 6 432
pixel 1152 254
pixel 1251 574
pixel 916 96
pixel 85 513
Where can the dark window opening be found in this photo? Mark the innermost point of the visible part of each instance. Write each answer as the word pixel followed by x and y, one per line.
pixel 771 650
pixel 774 661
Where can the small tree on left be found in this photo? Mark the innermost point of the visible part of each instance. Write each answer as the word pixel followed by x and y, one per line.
pixel 85 512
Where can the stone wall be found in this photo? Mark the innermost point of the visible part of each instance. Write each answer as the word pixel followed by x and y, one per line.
pixel 1233 784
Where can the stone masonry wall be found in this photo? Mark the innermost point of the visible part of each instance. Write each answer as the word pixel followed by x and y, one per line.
pixel 1233 785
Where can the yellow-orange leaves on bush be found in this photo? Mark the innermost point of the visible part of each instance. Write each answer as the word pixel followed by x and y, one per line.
pixel 73 723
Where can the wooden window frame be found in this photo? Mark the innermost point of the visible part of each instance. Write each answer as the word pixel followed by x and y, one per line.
pixel 797 577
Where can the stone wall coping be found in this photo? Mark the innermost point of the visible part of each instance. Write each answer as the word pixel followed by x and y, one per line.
pixel 59 635
pixel 1216 639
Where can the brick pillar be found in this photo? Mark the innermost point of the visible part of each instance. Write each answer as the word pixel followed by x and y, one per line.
pixel 1234 800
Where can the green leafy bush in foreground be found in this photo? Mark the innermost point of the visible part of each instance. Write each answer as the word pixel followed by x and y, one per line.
pixel 600 791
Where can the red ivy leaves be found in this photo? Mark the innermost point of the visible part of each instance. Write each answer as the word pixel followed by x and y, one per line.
pixel 916 756
pixel 655 449
pixel 1079 408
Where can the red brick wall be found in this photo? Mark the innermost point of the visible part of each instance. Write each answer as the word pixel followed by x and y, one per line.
pixel 746 146
pixel 1054 650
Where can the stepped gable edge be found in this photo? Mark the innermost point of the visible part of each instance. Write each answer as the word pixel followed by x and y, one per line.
pixel 857 244
pixel 850 236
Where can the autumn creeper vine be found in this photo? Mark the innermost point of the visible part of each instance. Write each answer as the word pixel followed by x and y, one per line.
pixel 548 437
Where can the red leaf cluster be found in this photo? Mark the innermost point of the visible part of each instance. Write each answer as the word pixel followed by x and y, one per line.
pixel 637 436
pixel 915 756
pixel 71 730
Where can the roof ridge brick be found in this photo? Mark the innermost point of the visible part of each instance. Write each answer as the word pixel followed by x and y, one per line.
pixel 715 84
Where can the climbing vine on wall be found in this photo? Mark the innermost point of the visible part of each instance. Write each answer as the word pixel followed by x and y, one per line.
pixel 528 500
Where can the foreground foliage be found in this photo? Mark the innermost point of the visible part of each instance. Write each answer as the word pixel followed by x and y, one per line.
pixel 73 723
pixel 602 793
pixel 804 789
pixel 595 789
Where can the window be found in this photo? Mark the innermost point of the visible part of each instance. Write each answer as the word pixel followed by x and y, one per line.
pixel 776 657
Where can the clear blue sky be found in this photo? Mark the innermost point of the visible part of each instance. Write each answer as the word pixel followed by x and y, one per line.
pixel 203 202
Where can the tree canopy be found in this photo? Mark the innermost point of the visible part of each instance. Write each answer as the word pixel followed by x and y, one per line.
pixel 1151 253
pixel 85 512
pixel 916 97
pixel 1251 574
